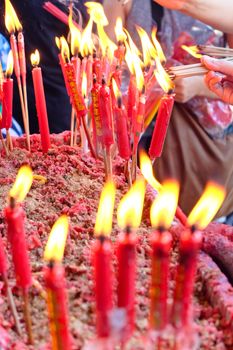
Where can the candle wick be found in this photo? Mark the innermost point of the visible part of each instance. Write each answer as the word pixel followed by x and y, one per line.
pixel 193 228
pixel 128 230
pixel 102 239
pixel 161 229
pixel 119 101
pixel 51 264
pixel 143 90
pixel 170 92
pixel 12 202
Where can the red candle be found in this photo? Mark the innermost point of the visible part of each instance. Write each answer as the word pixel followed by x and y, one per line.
pixel 129 218
pixel 185 277
pixel 96 68
pixel 3 262
pixel 89 73
pixel 55 284
pixel 102 261
pixel 162 213
pixel 96 120
pixel 132 99
pixel 77 64
pixel 161 246
pixel 7 101
pixel 138 122
pixel 62 64
pixel 105 106
pixel 161 126
pixel 122 134
pixel 40 102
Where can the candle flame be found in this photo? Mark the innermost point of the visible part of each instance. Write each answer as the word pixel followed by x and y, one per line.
pixel 192 50
pixel 65 51
pixel 103 225
pixel 116 90
pixel 35 58
pixel 87 45
pixel 162 77
pixel 96 12
pixel 130 208
pixel 107 46
pixel 55 246
pixel 207 206
pixel 147 46
pixel 75 36
pixel 22 183
pixel 164 206
pixel 10 64
pixel 58 43
pixel 147 170
pixel 12 22
pixel 129 59
pixel 132 45
pixel 84 85
pixel 120 34
pixel 157 45
pixel 138 73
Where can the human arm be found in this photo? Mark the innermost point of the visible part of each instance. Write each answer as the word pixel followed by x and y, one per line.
pixel 220 78
pixel 218 14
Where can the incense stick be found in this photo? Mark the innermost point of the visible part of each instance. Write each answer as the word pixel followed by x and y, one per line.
pixel 27 316
pixel 59 14
pixel 72 127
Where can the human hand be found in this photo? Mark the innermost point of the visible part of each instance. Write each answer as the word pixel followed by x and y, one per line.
pixel 220 78
pixel 187 88
pixel 172 4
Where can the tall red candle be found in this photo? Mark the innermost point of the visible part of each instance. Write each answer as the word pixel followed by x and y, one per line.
pixel 95 110
pixel 132 99
pixel 89 68
pixel 15 217
pixel 96 68
pixel 161 126
pixel 122 133
pixel 7 103
pixel 40 102
pixel 129 218
pixel 185 277
pixel 77 64
pixel 105 106
pixel 55 284
pixel 102 261
pixel 161 246
pixel 138 122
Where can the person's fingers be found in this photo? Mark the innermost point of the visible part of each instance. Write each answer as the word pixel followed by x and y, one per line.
pixel 221 66
pixel 227 92
pixel 213 78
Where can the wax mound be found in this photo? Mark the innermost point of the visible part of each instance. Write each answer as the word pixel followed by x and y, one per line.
pixel 73 186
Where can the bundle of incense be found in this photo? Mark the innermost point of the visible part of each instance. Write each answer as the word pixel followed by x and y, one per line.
pixel 189 70
pixel 215 51
pixel 59 14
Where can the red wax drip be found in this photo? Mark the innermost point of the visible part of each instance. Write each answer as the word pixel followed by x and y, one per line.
pixel 41 108
pixel 185 277
pixel 161 126
pixel 161 246
pixel 102 260
pixel 16 236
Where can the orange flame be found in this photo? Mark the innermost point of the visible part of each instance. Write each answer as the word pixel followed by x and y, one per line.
pixel 134 65
pixel 84 85
pixel 35 58
pixel 164 206
pixel 22 183
pixel 163 78
pixel 75 36
pixel 192 50
pixel 103 224
pixel 130 208
pixel 129 59
pixel 147 171
pixel 11 19
pixel 10 64
pixel 207 206
pixel 107 46
pixel 65 52
pixel 157 45
pixel 116 90
pixel 55 246
pixel 147 46
pixel 96 12
pixel 132 45
pixel 120 34
pixel 87 45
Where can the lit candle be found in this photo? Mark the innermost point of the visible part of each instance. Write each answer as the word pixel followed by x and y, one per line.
pixel 7 89
pixel 55 283
pixel 190 242
pixel 164 112
pixel 40 102
pixel 15 217
pixel 105 107
pixel 121 37
pixel 129 218
pixel 95 111
pixel 102 261
pixel 162 214
pixel 96 68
